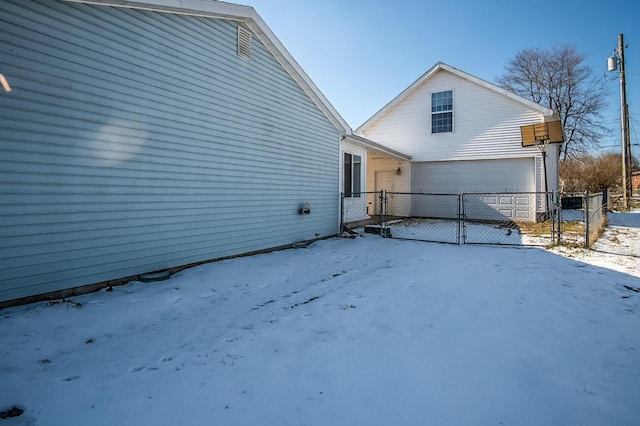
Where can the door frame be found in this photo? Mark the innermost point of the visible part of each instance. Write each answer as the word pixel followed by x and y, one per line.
pixel 378 188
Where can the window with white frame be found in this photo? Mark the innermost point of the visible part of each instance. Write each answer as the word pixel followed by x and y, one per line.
pixel 442 112
pixel 352 179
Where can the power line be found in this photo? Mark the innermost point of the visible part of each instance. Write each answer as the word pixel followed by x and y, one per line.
pixel 617 146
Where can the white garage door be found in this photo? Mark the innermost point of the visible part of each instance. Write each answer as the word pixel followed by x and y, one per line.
pixel 452 177
pixel 500 182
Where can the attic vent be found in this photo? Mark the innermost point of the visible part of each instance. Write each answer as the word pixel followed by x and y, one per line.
pixel 244 43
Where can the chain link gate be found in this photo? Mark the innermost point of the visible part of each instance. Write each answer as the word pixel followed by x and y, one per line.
pixel 465 218
pixel 424 217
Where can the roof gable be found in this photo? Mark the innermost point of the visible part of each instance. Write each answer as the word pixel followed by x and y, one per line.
pixel 248 16
pixel 440 66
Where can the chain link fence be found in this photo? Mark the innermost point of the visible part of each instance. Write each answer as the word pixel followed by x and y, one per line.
pixel 425 217
pixel 582 217
pixel 519 218
pixel 361 208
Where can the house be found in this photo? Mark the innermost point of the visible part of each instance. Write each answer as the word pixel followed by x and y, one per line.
pixel 635 180
pixel 142 136
pixel 459 133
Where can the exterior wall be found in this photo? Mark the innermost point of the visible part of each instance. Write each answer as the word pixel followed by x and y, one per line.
pixel 486 124
pixel 135 141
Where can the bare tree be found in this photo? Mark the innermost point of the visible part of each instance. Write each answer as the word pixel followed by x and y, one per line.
pixel 559 79
pixel 589 173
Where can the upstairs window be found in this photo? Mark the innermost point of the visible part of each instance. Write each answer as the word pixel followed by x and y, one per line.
pixel 442 112
pixel 352 179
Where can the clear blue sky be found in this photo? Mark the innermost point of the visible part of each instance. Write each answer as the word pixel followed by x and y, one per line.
pixel 362 53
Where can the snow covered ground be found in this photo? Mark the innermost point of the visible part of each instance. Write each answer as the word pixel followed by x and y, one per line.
pixel 368 331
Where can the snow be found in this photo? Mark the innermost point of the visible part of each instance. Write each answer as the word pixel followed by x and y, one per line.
pixel 364 331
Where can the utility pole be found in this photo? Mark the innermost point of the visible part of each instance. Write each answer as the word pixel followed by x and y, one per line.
pixel 624 119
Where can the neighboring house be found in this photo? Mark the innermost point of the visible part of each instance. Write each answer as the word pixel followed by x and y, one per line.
pixel 462 134
pixel 635 180
pixel 144 135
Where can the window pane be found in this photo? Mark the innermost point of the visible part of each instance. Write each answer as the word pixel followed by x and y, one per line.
pixel 356 176
pixel 442 122
pixel 442 101
pixel 434 102
pixel 347 175
pixel 447 102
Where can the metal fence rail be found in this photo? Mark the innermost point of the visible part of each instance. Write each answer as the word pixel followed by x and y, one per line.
pixel 519 218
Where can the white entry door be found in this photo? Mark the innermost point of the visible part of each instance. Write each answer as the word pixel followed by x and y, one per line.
pixel 384 182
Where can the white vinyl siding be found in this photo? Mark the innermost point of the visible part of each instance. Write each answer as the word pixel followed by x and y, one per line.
pixel 487 124
pixel 135 141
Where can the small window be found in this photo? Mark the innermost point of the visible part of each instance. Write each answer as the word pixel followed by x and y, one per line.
pixel 352 172
pixel 442 112
pixel 244 43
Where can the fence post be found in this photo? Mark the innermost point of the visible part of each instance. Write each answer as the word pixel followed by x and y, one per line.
pixel 585 203
pixel 461 213
pixel 552 216
pixel 547 205
pixel 341 212
pixel 381 212
pixel 558 217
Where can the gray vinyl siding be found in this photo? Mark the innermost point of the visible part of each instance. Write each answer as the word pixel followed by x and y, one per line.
pixel 135 141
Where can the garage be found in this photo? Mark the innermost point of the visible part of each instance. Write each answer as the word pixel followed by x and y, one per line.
pixel 452 177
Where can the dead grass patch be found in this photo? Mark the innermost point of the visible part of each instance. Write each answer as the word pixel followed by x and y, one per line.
pixel 544 228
